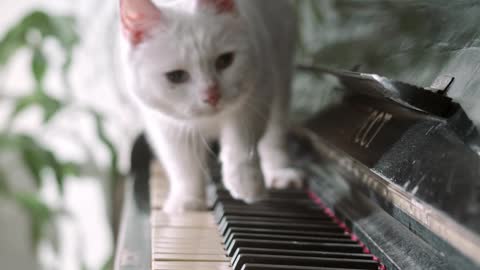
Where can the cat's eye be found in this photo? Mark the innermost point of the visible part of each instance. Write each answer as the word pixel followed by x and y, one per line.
pixel 224 61
pixel 177 76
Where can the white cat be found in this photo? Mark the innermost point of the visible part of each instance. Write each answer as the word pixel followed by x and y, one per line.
pixel 213 69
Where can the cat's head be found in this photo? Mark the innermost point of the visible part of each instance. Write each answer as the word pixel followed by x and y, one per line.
pixel 192 58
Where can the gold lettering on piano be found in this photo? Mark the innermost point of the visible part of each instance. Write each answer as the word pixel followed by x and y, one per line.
pixel 371 128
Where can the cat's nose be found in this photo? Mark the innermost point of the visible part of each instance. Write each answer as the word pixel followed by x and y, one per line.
pixel 212 96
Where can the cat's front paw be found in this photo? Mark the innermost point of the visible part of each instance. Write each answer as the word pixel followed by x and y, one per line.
pixel 284 178
pixel 180 204
pixel 245 183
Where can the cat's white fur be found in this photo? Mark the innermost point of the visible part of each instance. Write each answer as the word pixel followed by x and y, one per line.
pixel 251 117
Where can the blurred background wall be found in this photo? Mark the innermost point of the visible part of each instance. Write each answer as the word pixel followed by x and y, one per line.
pixel 65 133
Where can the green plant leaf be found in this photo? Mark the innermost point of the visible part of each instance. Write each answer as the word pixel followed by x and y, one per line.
pixel 39 66
pixel 102 135
pixel 60 170
pixel 49 105
pixel 34 162
pixel 11 42
pixel 71 169
pixel 39 213
pixel 22 104
pixel 6 142
pixel 37 158
pixel 61 28
pixel 3 184
pixel 108 265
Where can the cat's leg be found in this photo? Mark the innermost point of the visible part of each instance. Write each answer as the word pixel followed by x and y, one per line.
pixel 241 171
pixel 184 158
pixel 276 164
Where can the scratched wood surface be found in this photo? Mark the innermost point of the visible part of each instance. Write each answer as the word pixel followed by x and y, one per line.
pixel 414 41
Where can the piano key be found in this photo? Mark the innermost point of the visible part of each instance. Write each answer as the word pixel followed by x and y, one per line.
pixel 175 233
pixel 226 220
pixel 191 265
pixel 275 219
pixel 195 220
pixel 252 266
pixel 290 193
pixel 295 245
pixel 307 253
pixel 188 250
pixel 285 238
pixel 284 232
pixel 191 244
pixel 243 259
pixel 191 257
pixel 277 203
pixel 221 211
pixel 280 226
pixel 283 206
pixel 192 248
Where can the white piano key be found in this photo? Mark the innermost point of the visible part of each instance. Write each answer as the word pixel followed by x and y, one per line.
pixel 188 241
pixel 191 266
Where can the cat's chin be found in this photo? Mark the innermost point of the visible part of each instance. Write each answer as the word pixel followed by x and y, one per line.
pixel 205 112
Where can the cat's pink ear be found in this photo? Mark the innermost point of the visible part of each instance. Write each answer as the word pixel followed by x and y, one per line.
pixel 221 5
pixel 138 17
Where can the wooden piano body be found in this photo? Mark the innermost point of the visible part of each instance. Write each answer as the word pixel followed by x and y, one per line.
pixel 396 156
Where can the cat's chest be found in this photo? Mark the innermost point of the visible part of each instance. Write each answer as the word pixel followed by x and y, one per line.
pixel 209 130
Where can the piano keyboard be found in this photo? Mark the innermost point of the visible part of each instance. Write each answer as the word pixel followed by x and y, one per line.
pixel 287 231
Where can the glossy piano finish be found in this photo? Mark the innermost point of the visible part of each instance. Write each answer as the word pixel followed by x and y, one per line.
pixel 419 167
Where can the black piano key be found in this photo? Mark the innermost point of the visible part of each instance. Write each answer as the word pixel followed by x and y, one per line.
pixel 305 200
pixel 290 207
pixel 280 200
pixel 285 205
pixel 282 226
pixel 307 253
pixel 253 266
pixel 226 220
pixel 295 245
pixel 220 211
pixel 286 193
pixel 271 196
pixel 285 232
pixel 260 213
pixel 243 259
pixel 253 236
pixel 275 219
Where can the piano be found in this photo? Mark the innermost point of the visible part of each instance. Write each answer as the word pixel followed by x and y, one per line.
pixel 393 164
